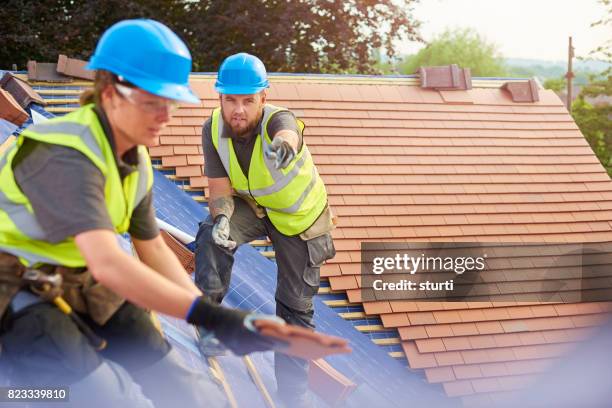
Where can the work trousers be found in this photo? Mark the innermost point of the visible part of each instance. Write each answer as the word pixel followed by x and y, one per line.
pixel 41 346
pixel 298 264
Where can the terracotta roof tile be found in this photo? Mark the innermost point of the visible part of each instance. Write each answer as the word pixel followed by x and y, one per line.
pixel 541 351
pixel 174 161
pixel 439 374
pixel 416 359
pixel 159 151
pixel 419 318
pixel 457 343
pixel 20 90
pixel 198 182
pixel 10 110
pixel 507 340
pixel 464 329
pixel 430 345
pixel 458 388
pixel 74 67
pixel 190 150
pixel 188 171
pixel 412 333
pixel 377 307
pixel 172 140
pixel 395 319
pixel 449 358
pixel 557 323
pixel 447 317
pixel 588 320
pixel 528 366
pixel 475 356
pixel 45 71
pixel 530 338
pixel 486 385
pixel 500 354
pixel 343 282
pixel 440 330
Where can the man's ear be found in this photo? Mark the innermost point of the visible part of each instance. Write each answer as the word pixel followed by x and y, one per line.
pixel 263 95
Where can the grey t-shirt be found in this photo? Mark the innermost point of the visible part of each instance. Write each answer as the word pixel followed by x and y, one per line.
pixel 66 190
pixel 213 167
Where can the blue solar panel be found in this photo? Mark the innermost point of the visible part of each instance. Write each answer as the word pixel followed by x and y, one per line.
pixel 175 207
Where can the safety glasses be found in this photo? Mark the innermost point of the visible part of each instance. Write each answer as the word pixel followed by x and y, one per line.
pixel 146 102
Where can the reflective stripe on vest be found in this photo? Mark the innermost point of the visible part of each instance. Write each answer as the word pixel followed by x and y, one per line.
pixel 293 197
pixel 25 238
pixel 71 129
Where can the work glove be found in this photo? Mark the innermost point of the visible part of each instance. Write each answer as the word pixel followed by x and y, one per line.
pixel 233 327
pixel 221 231
pixel 280 151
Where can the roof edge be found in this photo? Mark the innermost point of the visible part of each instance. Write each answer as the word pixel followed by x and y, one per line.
pixel 347 79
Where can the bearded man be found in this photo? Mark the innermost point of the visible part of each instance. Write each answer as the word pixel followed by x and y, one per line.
pixel 262 182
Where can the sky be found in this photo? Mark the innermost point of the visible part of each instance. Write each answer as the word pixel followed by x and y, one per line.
pixel 534 29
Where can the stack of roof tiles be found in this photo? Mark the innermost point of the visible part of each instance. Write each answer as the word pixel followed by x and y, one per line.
pixel 16 94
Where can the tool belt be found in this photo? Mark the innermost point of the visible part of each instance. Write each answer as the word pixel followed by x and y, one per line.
pixel 323 225
pixel 79 289
pixel 257 209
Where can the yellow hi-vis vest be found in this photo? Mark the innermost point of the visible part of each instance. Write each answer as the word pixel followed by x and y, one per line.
pixel 293 197
pixel 20 232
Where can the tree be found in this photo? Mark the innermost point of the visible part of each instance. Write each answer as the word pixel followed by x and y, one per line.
pixel 43 29
pixel 555 84
pixel 302 36
pixel 595 121
pixel 289 36
pixel 595 124
pixel 464 47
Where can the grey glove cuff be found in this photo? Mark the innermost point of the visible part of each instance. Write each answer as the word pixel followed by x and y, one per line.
pixel 218 218
pixel 221 232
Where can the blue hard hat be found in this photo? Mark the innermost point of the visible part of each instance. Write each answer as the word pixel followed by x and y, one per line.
pixel 149 55
pixel 241 74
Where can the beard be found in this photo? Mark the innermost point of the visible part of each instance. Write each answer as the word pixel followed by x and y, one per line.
pixel 244 129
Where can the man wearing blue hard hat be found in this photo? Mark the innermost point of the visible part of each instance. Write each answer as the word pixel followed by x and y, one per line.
pixel 262 182
pixel 73 303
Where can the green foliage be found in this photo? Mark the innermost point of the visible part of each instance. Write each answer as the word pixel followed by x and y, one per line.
pixel 42 30
pixel 595 121
pixel 555 84
pixel 523 71
pixel 554 73
pixel 289 36
pixel 464 47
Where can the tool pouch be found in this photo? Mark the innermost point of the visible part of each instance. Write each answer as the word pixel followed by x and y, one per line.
pixel 10 279
pixel 102 303
pixel 320 249
pixel 87 296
